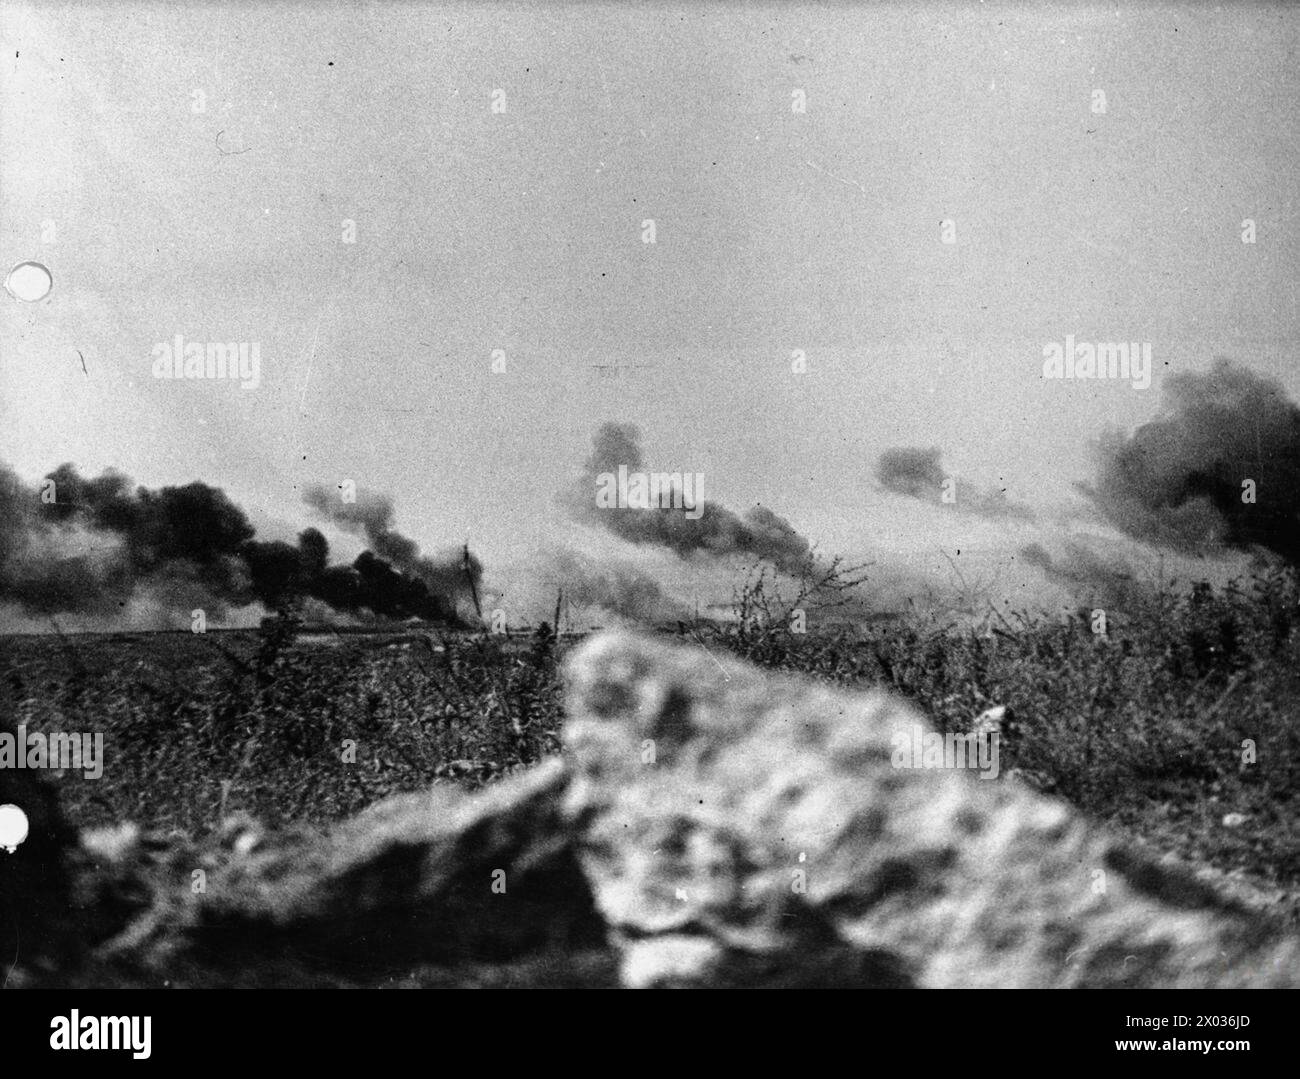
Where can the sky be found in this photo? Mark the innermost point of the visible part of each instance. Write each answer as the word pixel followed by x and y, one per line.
pixel 193 169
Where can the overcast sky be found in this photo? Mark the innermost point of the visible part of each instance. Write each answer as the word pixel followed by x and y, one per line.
pixel 197 165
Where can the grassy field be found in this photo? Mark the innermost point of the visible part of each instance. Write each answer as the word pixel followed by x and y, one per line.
pixel 1142 727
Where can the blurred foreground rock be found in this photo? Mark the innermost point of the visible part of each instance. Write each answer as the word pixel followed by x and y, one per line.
pixel 741 828
pixel 436 887
pixel 708 824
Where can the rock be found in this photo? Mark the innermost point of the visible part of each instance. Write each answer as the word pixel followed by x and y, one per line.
pixel 439 878
pixel 740 828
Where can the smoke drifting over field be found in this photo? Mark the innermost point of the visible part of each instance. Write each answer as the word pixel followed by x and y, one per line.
pixel 1180 480
pixel 918 473
pixel 96 545
pixel 104 548
pixel 716 530
pixel 622 590
pixel 1104 581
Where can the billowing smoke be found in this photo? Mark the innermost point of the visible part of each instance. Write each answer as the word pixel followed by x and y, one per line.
pixel 708 528
pixel 452 575
pixel 918 473
pixel 87 545
pixel 1219 465
pixel 93 545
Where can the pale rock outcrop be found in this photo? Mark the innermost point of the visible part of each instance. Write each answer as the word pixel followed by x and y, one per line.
pixel 743 828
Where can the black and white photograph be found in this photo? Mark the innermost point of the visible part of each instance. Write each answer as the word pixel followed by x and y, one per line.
pixel 614 495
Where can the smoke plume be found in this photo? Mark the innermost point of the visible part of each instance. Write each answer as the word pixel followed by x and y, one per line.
pixel 92 545
pixel 371 517
pixel 1182 480
pixel 918 473
pixel 1102 582
pixel 622 590
pixel 910 471
pixel 716 530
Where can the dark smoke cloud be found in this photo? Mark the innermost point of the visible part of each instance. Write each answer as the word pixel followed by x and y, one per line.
pixel 1177 481
pixel 89 545
pixel 717 531
pixel 918 473
pixel 371 516
pixel 914 472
